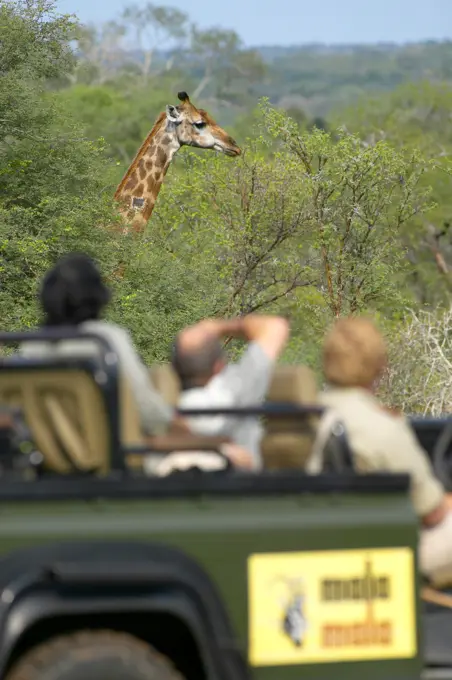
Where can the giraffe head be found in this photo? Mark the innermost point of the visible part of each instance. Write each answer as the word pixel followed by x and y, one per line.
pixel 194 127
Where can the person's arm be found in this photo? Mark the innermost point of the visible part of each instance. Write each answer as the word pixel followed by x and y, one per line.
pixel 249 378
pixel 178 425
pixel 403 453
pixel 247 381
pixel 269 332
pixel 193 337
pixel 155 414
pixel 238 455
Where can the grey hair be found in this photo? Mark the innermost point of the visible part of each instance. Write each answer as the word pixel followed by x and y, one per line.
pixel 196 365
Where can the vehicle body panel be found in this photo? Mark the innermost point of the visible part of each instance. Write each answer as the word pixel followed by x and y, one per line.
pixel 219 534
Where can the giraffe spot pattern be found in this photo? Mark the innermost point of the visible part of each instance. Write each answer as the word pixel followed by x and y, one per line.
pixel 139 190
pixel 141 169
pixel 161 157
pixel 151 185
pixel 133 181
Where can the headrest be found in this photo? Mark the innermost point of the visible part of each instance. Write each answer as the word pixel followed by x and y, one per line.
pixel 287 443
pixel 296 384
pixel 166 382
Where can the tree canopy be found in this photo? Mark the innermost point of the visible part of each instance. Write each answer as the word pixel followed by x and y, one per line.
pixel 340 202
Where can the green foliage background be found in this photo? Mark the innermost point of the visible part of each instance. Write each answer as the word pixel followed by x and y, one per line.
pixel 340 202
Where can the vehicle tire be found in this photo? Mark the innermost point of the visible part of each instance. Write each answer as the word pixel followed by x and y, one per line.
pixel 93 655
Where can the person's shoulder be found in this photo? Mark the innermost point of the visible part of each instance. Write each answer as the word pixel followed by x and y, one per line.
pixel 34 349
pixel 102 327
pixel 256 353
pixel 253 362
pixel 108 330
pixel 389 429
pixel 363 409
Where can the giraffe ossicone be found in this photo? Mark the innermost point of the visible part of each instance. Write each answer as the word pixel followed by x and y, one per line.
pixel 177 126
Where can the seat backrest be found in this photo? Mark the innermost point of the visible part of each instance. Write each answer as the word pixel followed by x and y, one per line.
pixel 66 412
pixel 338 456
pixel 287 443
pixel 166 382
pixel 331 451
pixel 130 432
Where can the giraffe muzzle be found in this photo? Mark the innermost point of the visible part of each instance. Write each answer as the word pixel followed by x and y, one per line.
pixel 231 151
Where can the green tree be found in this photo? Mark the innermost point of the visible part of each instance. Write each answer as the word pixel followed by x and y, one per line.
pixel 311 230
pixel 55 192
pixel 418 117
pixel 357 199
pixel 224 66
pixel 52 180
pixel 153 26
pixel 122 118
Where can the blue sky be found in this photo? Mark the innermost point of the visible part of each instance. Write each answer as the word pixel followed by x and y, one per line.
pixel 288 22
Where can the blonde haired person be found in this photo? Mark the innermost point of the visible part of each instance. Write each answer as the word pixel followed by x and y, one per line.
pixel 354 358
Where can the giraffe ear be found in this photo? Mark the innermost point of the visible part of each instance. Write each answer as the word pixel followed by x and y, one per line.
pixel 172 114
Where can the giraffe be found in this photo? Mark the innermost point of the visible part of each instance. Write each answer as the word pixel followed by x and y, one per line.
pixel 182 125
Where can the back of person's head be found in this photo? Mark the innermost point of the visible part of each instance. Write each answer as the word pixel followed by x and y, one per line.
pixel 196 366
pixel 354 353
pixel 73 291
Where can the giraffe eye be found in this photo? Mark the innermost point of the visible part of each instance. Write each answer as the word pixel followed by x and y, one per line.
pixel 200 126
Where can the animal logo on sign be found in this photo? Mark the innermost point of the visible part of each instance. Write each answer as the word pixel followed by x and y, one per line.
pixel 291 599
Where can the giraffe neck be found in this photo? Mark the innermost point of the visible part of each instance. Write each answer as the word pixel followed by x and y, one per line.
pixel 141 184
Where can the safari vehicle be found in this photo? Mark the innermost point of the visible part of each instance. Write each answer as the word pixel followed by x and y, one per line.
pixel 108 572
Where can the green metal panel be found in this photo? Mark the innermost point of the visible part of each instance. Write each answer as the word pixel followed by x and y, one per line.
pixel 221 534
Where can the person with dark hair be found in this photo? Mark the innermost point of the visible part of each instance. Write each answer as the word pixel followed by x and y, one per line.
pixel 73 295
pixel 208 380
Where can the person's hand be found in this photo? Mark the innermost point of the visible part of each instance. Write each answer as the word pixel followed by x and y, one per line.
pixel 449 501
pixel 438 515
pixel 193 337
pixel 178 425
pixel 222 327
pixel 239 456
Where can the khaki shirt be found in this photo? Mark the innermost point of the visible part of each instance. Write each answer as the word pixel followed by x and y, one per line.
pixel 384 442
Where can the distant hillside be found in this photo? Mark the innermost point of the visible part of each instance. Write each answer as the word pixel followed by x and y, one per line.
pixel 318 77
pixel 311 78
pixel 272 52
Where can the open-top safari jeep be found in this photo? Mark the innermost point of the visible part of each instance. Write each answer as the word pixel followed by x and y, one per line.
pixel 109 571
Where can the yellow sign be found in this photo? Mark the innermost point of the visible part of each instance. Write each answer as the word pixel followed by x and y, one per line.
pixel 319 607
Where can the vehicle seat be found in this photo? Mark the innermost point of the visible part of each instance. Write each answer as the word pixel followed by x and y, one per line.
pixel 331 452
pixel 131 435
pixel 65 412
pixel 166 382
pixel 287 442
pixel 64 406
